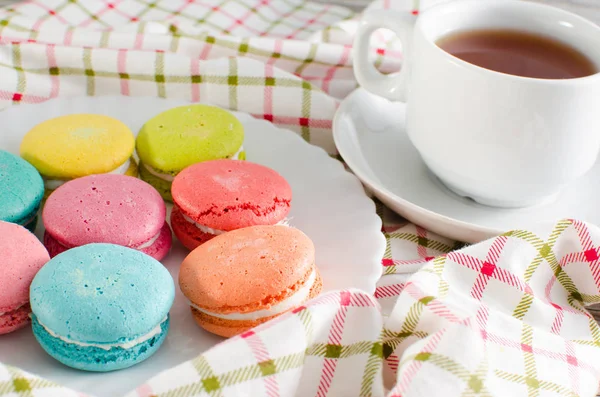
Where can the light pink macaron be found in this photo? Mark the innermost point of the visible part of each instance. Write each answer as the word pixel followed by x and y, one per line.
pixel 107 208
pixel 22 256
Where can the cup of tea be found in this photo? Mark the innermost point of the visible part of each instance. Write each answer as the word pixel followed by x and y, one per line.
pixel 503 96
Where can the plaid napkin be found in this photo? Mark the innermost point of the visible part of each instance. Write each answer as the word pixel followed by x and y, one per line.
pixel 291 55
pixel 504 317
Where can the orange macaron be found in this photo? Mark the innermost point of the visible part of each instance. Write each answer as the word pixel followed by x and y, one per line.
pixel 246 277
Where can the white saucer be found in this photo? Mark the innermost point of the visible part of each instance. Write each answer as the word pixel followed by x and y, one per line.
pixel 369 134
pixel 329 204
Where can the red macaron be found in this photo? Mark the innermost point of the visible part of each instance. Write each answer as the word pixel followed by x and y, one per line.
pixel 214 197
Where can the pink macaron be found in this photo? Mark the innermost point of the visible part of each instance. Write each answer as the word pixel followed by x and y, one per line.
pixel 22 256
pixel 107 208
pixel 215 197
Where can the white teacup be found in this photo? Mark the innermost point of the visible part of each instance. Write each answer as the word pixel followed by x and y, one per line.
pixel 500 139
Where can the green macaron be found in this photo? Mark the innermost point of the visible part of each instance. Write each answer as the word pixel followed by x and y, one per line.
pixel 186 135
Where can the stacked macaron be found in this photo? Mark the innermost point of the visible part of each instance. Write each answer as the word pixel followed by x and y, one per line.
pixel 21 191
pixel 185 135
pixel 69 147
pixel 107 208
pixel 234 195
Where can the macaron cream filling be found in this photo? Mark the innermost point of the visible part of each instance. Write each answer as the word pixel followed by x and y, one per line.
pixel 289 303
pixel 171 178
pixel 53 184
pixel 217 232
pixel 16 309
pixel 149 243
pixel 107 346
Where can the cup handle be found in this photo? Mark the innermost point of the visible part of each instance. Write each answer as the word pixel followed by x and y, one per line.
pixel 392 87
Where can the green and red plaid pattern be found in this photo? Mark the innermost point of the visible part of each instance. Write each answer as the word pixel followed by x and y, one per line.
pixel 143 47
pixel 504 317
pixel 294 55
pixel 14 382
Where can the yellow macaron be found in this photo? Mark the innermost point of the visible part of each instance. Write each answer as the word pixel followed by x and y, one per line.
pixel 77 145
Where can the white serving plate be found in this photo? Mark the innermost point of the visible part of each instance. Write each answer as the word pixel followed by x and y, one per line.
pixel 369 134
pixel 329 205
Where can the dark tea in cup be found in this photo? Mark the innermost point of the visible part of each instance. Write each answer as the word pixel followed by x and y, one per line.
pixel 519 53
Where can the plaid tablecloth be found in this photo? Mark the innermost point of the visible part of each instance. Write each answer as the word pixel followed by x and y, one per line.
pixel 504 317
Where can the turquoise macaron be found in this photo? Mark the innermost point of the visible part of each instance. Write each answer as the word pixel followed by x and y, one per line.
pixel 101 307
pixel 21 191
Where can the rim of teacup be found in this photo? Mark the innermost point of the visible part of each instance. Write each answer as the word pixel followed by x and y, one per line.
pixel 461 6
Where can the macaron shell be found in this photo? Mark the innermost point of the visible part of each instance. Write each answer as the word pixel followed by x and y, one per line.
pixel 22 257
pixel 234 194
pixel 187 233
pixel 162 245
pixel 163 187
pixel 247 269
pixel 21 189
pixel 229 328
pixel 14 320
pixel 32 224
pixel 105 208
pixel 131 171
pixel 102 293
pixel 185 135
pixel 96 359
pixel 73 146
pixel 158 250
pixel 54 247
